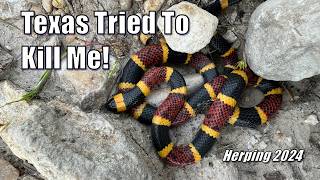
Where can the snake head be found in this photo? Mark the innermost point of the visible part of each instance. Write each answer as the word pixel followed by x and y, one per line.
pixel 111 105
pixel 116 104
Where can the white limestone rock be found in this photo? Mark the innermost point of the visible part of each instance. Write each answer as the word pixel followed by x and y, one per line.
pixel 283 41
pixel 202 28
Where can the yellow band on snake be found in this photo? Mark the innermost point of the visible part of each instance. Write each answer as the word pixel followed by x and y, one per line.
pixel 143 88
pixel 165 151
pixel 119 100
pixel 195 153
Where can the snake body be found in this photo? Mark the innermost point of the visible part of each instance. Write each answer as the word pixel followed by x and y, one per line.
pixel 133 90
pixel 223 90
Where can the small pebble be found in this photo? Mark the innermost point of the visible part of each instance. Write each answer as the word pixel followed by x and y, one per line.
pixel 58 12
pixel 47 5
pixel 69 39
pixel 251 143
pixel 233 17
pixel 283 139
pixel 230 36
pixel 276 175
pixel 152 5
pixel 312 120
pixel 250 97
pixel 52 41
pixel 60 4
pixel 125 4
pixel 262 145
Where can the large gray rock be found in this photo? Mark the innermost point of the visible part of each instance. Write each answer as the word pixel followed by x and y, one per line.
pixel 283 41
pixel 64 143
pixel 201 29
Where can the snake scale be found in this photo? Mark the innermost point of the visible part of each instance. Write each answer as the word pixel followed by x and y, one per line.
pixel 144 71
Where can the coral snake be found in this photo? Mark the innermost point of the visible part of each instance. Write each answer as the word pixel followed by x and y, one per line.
pixel 144 71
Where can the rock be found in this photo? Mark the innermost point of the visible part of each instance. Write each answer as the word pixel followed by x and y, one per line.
pixel 88 89
pixel 95 99
pixel 34 1
pixel 5 62
pixel 202 28
pixel 125 4
pixel 209 168
pixel 37 9
pixel 60 4
pixel 152 5
pixel 47 5
pixel 316 89
pixel 274 176
pixel 12 8
pixel 283 40
pixel 81 81
pixel 28 178
pixel 23 167
pixel 250 97
pixel 58 12
pixel 312 119
pixel 12 37
pixel 70 40
pixel 7 171
pixel 230 36
pixel 63 142
pixel 52 41
pixel 262 145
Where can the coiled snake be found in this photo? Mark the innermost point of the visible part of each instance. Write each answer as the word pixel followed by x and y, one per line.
pixel 223 90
